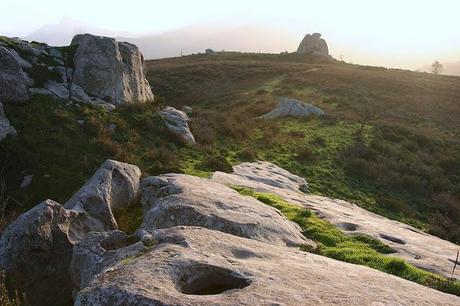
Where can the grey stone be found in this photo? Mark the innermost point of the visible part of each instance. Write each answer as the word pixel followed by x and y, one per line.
pixel 41 91
pixel 177 122
pixel 198 266
pixel 293 108
pixel 24 64
pixel 110 70
pixel 5 126
pixel 114 186
pixel 313 44
pixel 177 199
pixel 26 181
pixel 58 89
pixel 187 109
pixel 13 82
pixel 36 250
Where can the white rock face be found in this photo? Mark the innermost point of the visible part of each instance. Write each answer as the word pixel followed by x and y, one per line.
pixel 177 199
pixel 293 108
pixel 36 249
pixel 5 127
pixel 198 266
pixel 110 70
pixel 177 122
pixel 13 81
pixel 115 185
pixel 418 248
pixel 313 44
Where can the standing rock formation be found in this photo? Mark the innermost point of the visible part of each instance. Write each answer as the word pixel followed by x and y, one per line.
pixel 13 81
pixel 293 108
pixel 5 127
pixel 110 70
pixel 114 186
pixel 313 44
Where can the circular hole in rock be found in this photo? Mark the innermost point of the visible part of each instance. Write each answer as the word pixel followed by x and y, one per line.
pixel 208 280
pixel 392 239
pixel 347 226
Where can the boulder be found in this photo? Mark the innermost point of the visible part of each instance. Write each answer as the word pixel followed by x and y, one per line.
pixel 5 127
pixel 58 89
pixel 13 81
pixel 110 70
pixel 198 266
pixel 416 247
pixel 313 44
pixel 114 186
pixel 36 249
pixel 177 122
pixel 293 108
pixel 176 199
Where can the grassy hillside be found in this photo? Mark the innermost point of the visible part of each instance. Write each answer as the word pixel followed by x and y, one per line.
pixel 389 141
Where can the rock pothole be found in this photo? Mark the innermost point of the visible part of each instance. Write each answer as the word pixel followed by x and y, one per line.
pixel 347 226
pixel 203 279
pixel 392 239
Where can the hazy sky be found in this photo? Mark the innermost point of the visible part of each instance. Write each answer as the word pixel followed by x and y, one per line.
pixel 404 33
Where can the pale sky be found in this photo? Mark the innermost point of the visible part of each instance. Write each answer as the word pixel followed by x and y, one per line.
pixel 404 33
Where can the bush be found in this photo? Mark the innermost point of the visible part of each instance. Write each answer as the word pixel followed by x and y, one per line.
pixel 304 154
pixel 216 163
pixel 247 154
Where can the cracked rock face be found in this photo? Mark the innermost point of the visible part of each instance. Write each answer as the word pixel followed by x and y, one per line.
pixel 313 44
pixel 416 247
pixel 198 266
pixel 13 81
pixel 177 199
pixel 114 186
pixel 293 108
pixel 110 70
pixel 36 249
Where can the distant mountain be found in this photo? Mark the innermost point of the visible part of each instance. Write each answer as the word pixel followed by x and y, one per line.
pixel 452 68
pixel 187 40
pixel 61 34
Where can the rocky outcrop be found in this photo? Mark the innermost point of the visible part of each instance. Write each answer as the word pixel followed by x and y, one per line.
pixel 313 44
pixel 110 70
pixel 177 199
pixel 13 81
pixel 177 122
pixel 93 70
pixel 198 266
pixel 416 247
pixel 293 108
pixel 5 127
pixel 36 249
pixel 114 186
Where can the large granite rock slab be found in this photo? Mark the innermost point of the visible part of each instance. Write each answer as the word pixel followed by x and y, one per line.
pixel 198 266
pixel 293 108
pixel 114 186
pixel 416 247
pixel 13 81
pixel 177 199
pixel 110 70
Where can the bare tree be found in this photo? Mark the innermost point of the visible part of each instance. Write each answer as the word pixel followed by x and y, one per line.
pixel 436 67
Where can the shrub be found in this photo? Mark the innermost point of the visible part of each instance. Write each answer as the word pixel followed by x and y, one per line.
pixel 304 154
pixel 216 163
pixel 247 154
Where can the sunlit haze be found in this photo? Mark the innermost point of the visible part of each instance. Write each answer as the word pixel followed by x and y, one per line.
pixel 405 34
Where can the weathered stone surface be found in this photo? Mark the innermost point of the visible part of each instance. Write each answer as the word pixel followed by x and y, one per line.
pixel 26 181
pixel 313 44
pixel 293 108
pixel 177 199
pixel 58 89
pixel 110 70
pixel 418 248
pixel 36 249
pixel 198 266
pixel 5 127
pixel 115 185
pixel 176 121
pixel 13 82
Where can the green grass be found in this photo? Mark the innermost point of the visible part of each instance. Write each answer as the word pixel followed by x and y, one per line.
pixel 356 249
